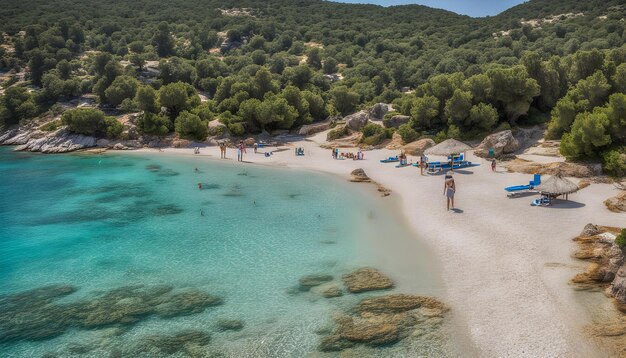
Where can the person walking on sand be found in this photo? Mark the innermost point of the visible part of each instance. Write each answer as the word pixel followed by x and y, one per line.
pixel 255 147
pixel 449 188
pixel 493 165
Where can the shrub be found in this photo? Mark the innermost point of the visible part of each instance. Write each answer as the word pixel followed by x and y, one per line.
pixel 51 126
pixel 620 240
pixel 337 133
pixel 190 126
pixel 440 136
pixel 87 121
pixel 237 129
pixel 113 127
pixel 614 162
pixel 373 134
pixel 153 124
pixel 407 133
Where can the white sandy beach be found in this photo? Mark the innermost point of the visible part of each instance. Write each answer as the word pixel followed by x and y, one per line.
pixel 505 264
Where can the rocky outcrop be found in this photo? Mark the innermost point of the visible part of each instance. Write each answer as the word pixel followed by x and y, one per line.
pixel 617 203
pixel 366 279
pixel 313 128
pixel 566 169
pixel 357 121
pixel 418 147
pixel 61 141
pixel 378 111
pixel 607 271
pixel 502 143
pixel 359 176
pixel 396 121
pixel 608 262
pixel 383 321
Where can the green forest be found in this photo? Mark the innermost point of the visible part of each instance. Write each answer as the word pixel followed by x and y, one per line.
pixel 280 64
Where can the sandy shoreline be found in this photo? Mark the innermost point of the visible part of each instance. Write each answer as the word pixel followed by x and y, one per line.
pixel 505 264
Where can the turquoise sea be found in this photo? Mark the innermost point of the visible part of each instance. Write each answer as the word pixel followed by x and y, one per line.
pixel 80 229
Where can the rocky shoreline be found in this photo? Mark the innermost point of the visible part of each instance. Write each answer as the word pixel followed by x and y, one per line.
pixel 606 273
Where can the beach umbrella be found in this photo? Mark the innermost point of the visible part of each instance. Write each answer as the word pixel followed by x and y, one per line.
pixel 556 185
pixel 448 147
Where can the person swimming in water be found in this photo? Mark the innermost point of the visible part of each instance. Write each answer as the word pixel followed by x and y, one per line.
pixel 200 186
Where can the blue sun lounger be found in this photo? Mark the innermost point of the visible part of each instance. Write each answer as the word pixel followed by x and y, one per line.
pixel 516 189
pixel 390 160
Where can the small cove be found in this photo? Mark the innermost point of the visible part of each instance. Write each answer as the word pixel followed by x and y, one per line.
pixel 101 222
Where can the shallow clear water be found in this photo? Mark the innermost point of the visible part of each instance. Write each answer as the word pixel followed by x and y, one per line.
pixel 100 222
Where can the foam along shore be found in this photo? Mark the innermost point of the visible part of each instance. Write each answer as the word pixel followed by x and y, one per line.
pixel 505 264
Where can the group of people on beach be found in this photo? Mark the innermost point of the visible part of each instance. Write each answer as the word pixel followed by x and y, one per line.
pixel 347 155
pixel 241 150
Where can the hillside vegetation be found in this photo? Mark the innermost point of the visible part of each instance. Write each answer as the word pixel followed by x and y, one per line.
pixel 279 64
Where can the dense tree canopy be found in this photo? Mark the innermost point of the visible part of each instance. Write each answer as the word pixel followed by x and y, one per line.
pixel 286 63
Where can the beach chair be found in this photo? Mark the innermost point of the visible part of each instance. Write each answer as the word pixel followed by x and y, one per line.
pixel 516 189
pixel 543 201
pixel 390 160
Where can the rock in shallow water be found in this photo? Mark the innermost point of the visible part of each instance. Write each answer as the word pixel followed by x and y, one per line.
pixel 383 321
pixel 366 279
pixel 306 282
pixel 230 324
pixel 35 315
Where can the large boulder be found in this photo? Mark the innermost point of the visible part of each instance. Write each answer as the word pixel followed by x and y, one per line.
pixel 418 147
pixel 216 127
pixel 565 169
pixel 378 111
pixel 366 279
pixel 313 128
pixel 359 176
pixel 502 143
pixel 617 203
pixel 357 121
pixel 396 121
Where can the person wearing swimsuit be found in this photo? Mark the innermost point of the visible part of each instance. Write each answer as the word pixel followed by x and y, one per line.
pixel 449 188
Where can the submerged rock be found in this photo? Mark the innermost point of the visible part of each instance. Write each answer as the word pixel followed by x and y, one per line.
pixel 398 303
pixel 332 291
pixel 230 324
pixel 384 320
pixel 174 344
pixel 186 303
pixel 306 282
pixel 366 279
pixel 35 315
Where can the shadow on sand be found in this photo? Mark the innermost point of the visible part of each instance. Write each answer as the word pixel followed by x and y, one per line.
pixel 565 204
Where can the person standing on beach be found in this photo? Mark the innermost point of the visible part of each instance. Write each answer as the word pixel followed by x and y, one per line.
pixel 449 189
pixel 222 150
pixel 241 149
pixel 493 165
pixel 255 147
